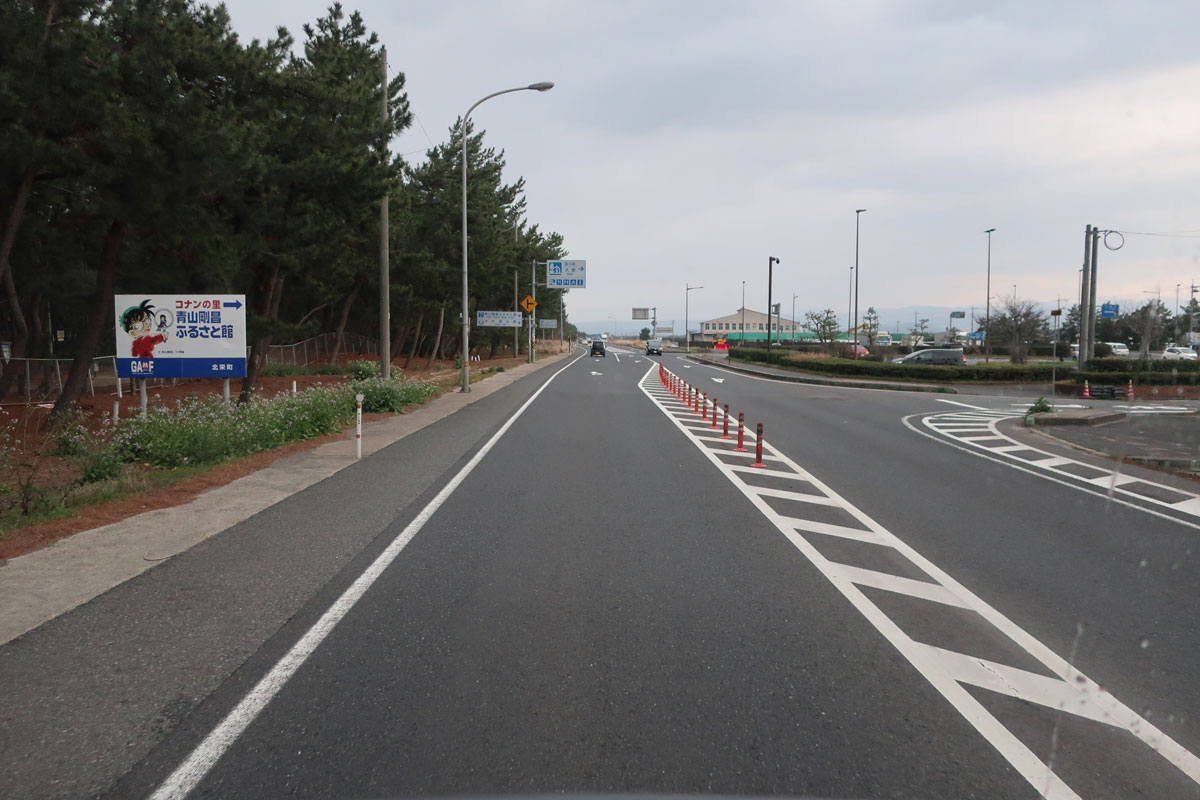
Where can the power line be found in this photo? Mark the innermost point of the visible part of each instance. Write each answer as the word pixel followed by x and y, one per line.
pixel 1176 235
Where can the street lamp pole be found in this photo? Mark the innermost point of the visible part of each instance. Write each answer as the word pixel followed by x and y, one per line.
pixel 543 86
pixel 857 216
pixel 687 296
pixel 771 262
pixel 987 324
pixel 742 338
pixel 1175 317
pixel 794 296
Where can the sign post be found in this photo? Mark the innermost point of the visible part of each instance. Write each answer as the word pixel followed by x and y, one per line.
pixel 180 336
pixel 529 304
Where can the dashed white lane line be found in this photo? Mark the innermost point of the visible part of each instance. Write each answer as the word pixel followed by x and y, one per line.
pixel 948 428
pixel 948 672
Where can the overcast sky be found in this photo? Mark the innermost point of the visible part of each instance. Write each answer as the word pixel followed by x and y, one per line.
pixel 685 142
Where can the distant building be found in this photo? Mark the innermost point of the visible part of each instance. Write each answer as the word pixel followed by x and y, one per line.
pixel 756 322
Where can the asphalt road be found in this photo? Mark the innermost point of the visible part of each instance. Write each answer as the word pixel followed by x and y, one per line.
pixel 603 598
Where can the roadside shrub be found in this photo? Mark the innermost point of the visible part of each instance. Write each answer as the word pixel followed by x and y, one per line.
pixel 286 370
pixel 361 370
pixel 391 395
pixel 865 368
pixel 1140 377
pixel 101 464
pixel 1133 365
pixel 70 435
pixel 206 431
pixel 1040 406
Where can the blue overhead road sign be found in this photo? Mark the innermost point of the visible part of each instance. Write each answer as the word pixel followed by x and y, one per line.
pixel 566 274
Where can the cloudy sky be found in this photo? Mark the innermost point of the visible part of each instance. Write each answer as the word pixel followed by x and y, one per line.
pixel 685 142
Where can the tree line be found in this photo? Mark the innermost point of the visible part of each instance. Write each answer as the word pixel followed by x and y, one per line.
pixel 145 148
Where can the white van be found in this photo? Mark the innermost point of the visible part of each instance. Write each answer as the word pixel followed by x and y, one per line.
pixel 1118 349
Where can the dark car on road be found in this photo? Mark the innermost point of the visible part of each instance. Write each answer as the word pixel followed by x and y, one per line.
pixel 597 347
pixel 934 355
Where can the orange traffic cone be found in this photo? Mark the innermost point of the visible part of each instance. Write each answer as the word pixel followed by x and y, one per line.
pixel 1129 391
pixel 1086 394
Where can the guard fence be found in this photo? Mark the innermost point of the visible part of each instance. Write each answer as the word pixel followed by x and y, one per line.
pixel 42 379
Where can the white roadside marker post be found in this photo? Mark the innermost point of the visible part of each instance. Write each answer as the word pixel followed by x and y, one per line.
pixel 358 398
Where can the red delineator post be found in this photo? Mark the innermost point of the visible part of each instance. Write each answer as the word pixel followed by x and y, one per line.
pixel 758 448
pixel 714 414
pixel 741 430
pixel 704 407
pixel 725 435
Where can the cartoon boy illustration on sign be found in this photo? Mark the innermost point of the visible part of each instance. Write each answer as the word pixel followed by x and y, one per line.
pixel 138 322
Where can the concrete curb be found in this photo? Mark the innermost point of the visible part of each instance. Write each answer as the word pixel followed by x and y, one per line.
pixel 815 381
pixel 1087 416
pixel 50 581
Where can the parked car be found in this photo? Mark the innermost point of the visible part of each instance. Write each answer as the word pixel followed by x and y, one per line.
pixel 654 347
pixel 1179 353
pixel 598 347
pixel 935 355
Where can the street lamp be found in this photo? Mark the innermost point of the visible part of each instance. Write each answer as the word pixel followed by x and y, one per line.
pixel 857 216
pixel 687 295
pixel 987 324
pixel 543 86
pixel 771 262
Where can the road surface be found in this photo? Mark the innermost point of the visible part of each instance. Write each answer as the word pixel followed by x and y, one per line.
pixel 577 586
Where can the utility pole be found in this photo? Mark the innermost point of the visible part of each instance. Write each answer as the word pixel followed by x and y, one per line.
pixel 1175 317
pixel 771 262
pixel 385 287
pixel 857 216
pixel 533 313
pixel 1084 302
pixel 516 307
pixel 987 325
pixel 1092 293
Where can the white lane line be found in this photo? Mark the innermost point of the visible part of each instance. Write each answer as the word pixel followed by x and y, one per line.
pixel 1112 480
pixel 193 769
pixel 964 405
pixel 1053 475
pixel 773 473
pixel 815 499
pixel 828 529
pixel 940 672
pixel 895 583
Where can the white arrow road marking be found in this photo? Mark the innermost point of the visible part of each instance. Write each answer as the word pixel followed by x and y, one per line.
pixel 719 380
pixel 597 373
